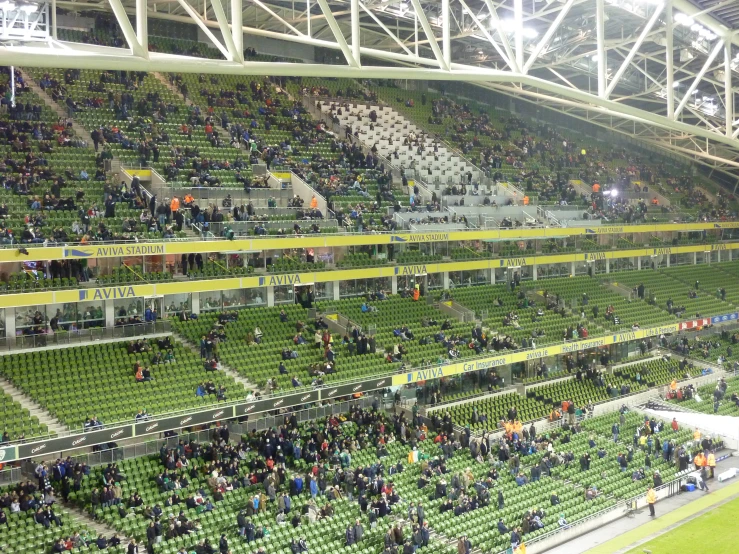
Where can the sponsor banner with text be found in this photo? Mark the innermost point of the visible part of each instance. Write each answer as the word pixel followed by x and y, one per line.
pixel 185 420
pixel 73 442
pixel 278 403
pixel 527 355
pixel 329 241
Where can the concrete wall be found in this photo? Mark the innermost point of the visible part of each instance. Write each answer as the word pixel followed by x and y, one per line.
pixel 306 192
pixel 75 21
pixel 265 45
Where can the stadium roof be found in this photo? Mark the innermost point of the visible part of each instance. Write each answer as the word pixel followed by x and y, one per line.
pixel 604 61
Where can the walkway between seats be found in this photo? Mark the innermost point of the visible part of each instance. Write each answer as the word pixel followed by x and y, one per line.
pixel 33 407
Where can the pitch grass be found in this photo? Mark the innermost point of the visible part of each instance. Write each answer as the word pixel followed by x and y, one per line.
pixel 716 532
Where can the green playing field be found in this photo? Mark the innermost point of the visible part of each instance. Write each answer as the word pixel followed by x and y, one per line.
pixel 715 531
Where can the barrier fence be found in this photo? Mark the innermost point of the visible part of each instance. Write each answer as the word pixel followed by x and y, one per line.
pixel 244 408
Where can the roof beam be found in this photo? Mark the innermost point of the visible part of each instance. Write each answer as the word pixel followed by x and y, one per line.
pixel 338 35
pixel 195 16
pixel 510 63
pixel 634 49
pixel 228 38
pixel 429 32
pixel 712 56
pixel 384 28
pixel 126 28
pixel 282 20
pixel 553 28
pixel 503 38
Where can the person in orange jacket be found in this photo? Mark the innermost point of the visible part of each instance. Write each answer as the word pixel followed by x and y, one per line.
pixel 313 203
pixel 174 205
pixel 700 460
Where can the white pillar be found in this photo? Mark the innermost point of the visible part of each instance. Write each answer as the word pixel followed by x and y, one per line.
pixel 237 26
pixel 534 273
pixel 337 291
pixel 394 284
pixel 492 275
pixel 728 90
pixel 718 256
pixel 53 13
pixel 354 5
pixel 731 254
pixel 445 280
pixel 600 45
pixel 195 303
pixel 572 269
pixel 638 262
pixel 669 55
pixel 608 265
pixel 270 296
pixel 142 31
pixel 109 314
pixel 518 31
pixel 695 258
pixel 10 324
pixel 668 260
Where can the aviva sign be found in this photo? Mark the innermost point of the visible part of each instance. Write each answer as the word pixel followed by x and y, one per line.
pixel 275 280
pixel 108 293
pixel 410 270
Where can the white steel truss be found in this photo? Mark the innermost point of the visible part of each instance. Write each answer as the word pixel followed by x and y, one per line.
pixel 663 65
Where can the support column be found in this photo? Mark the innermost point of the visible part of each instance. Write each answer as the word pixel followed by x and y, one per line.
pixel 731 254
pixel 446 26
pixel 53 22
pixel 337 290
pixel 142 30
pixel 638 262
pixel 492 275
pixel 354 5
pixel 270 296
pixel 518 31
pixel 394 284
pixel 728 90
pixel 445 280
pixel 237 26
pixel 668 260
pixel 608 265
pixel 109 314
pixel 195 303
pixel 695 258
pixel 669 59
pixel 534 272
pixel 600 11
pixel 572 269
pixel 10 324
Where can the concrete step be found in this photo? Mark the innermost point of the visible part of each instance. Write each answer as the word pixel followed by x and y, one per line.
pixel 248 385
pixel 34 408
pixel 59 110
pixel 100 528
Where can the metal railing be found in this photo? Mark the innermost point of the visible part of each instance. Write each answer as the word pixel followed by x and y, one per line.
pixel 668 490
pixel 152 447
pixel 83 336
pixel 624 229
pixel 11 475
pixel 333 384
